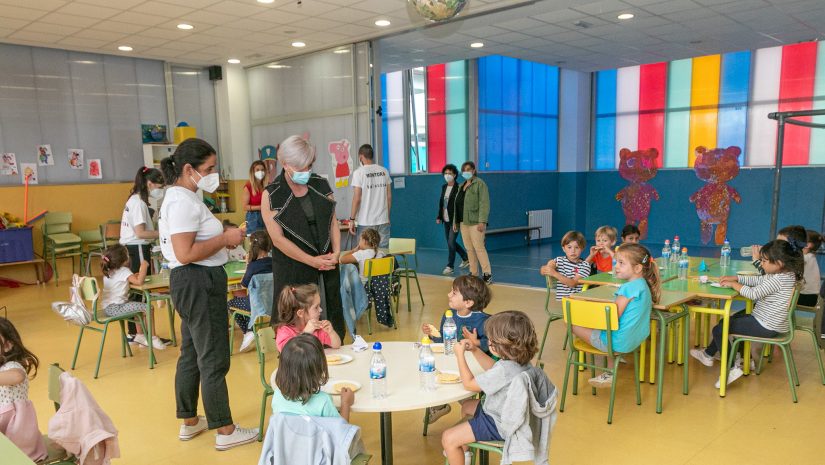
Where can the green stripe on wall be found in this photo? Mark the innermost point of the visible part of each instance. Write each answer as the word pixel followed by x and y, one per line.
pixel 677 117
pixel 456 90
pixel 817 153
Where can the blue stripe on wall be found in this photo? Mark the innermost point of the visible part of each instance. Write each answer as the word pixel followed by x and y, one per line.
pixel 385 138
pixel 604 150
pixel 733 101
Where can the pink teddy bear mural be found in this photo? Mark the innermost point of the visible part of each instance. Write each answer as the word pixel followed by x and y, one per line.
pixel 716 167
pixel 638 168
pixel 339 151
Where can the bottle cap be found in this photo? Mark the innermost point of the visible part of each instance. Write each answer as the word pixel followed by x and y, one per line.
pixel 376 346
pixel 684 249
pixel 448 313
pixel 676 237
pixel 425 341
pixel 667 241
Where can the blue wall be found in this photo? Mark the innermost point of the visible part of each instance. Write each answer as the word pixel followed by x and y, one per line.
pixel 585 201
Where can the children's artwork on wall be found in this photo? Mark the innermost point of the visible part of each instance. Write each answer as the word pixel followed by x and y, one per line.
pixel 638 167
pixel 153 133
pixel 339 151
pixel 269 155
pixel 44 155
pixel 716 167
pixel 76 159
pixel 95 171
pixel 8 164
pixel 28 170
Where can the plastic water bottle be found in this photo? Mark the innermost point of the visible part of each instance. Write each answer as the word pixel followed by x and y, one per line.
pixel 613 264
pixel 684 262
pixel 450 332
pixel 724 256
pixel 164 271
pixel 674 252
pixel 378 373
pixel 666 251
pixel 426 365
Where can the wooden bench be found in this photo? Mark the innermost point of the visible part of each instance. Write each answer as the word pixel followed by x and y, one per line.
pixel 512 229
pixel 38 268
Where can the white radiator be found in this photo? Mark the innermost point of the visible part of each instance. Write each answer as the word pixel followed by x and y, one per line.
pixel 542 219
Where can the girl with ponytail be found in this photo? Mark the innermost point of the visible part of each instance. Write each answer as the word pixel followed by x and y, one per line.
pixel 299 311
pixel 634 300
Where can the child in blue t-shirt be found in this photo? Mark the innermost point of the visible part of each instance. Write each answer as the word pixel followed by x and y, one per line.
pixel 634 300
pixel 468 298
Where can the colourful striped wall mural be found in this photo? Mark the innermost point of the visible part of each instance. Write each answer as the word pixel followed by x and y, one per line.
pixel 715 101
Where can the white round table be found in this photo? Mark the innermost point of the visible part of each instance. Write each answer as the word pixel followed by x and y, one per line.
pixel 403 390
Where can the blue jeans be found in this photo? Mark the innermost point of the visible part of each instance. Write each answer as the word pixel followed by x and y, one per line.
pixel 254 222
pixel 383 231
pixel 452 245
pixel 353 296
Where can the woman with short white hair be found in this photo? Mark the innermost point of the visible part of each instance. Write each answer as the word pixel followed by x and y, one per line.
pixel 298 210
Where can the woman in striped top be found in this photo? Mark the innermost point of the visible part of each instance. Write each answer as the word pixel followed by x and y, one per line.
pixel 771 293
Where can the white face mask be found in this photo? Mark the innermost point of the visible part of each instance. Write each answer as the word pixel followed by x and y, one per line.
pixel 449 177
pixel 260 175
pixel 209 183
pixel 156 193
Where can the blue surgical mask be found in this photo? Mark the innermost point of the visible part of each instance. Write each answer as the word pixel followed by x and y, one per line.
pixel 301 177
pixel 467 175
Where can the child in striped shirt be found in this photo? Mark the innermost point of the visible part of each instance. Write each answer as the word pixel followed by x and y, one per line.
pixel 771 293
pixel 568 269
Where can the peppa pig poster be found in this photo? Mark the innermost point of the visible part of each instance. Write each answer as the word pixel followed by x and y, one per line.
pixel 341 161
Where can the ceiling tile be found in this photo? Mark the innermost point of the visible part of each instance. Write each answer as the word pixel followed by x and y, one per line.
pixel 107 36
pixel 45 5
pixel 117 26
pixel 604 6
pixel 153 8
pixel 29 36
pixel 123 4
pixel 57 29
pixel 671 6
pixel 93 11
pixel 4 32
pixel 139 18
pixel 198 18
pixel 81 42
pixel 310 8
pixel 59 18
pixel 168 33
pixel 194 3
pixel 378 6
pixel 278 16
pixel 249 24
pixel 237 8
pixel 14 24
pixel 350 15
pixel 314 24
pixel 144 41
pixel 16 12
pixel 163 52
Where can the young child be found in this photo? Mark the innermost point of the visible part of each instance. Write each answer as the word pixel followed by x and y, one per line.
pixel 568 269
pixel 237 253
pixel 771 293
pixel 468 299
pixel 513 340
pixel 299 310
pixel 257 262
pixel 302 370
pixel 353 294
pixel 18 419
pixel 116 280
pixel 634 300
pixel 810 291
pixel 601 254
pixel 795 235
pixel 631 234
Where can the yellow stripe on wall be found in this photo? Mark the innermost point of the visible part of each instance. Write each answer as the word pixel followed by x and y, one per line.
pixel 704 101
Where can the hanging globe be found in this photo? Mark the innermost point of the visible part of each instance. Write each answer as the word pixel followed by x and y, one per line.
pixel 437 10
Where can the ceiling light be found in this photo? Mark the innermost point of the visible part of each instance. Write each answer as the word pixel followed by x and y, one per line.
pixel 185 27
pixel 382 23
pixel 298 44
pixel 125 48
pixel 477 45
pixel 233 61
pixel 624 16
pixel 341 51
pixel 266 1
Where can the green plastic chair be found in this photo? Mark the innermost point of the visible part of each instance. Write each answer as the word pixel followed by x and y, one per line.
pixel 90 292
pixel 374 268
pixel 813 330
pixel 398 245
pixel 595 315
pixel 551 315
pixel 91 245
pixel 782 340
pixel 264 344
pixel 59 241
pixel 57 454
pixel 483 448
pixel 110 233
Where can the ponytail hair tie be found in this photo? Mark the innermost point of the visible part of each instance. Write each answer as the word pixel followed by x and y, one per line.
pixel 105 258
pixel 292 289
pixel 145 170
pixel 644 260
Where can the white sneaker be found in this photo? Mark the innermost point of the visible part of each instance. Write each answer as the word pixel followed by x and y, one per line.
pixel 734 374
pixel 238 437
pixel 448 270
pixel 703 357
pixel 466 263
pixel 248 339
pixel 468 456
pixel 157 344
pixel 140 339
pixel 604 380
pixel 189 432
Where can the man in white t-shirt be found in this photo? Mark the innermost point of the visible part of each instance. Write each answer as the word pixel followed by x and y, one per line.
pixel 372 197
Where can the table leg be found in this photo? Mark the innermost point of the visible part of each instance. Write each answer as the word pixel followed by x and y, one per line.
pixel 661 356
pixel 652 375
pixel 684 349
pixel 149 329
pixel 386 438
pixel 723 370
pixel 746 364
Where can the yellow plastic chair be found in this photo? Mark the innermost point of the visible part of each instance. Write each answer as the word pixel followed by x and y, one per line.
pixel 264 344
pixel 595 315
pixel 91 246
pixel 59 241
pixel 89 291
pixel 374 268
pixel 402 248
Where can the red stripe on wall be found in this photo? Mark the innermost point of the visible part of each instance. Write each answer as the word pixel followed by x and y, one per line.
pixel 652 103
pixel 436 119
pixel 796 88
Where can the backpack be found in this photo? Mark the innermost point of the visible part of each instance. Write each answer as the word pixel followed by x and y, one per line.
pixel 74 312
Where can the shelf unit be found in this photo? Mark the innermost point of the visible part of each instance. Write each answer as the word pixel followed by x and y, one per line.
pixel 154 153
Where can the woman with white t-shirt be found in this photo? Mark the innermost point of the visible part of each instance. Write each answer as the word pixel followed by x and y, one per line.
pixel 137 231
pixel 194 243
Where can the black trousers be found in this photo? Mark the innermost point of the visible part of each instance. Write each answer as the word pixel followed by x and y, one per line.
pixel 199 295
pixel 134 265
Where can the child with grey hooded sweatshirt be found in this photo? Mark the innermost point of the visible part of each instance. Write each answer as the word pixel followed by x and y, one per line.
pixel 519 406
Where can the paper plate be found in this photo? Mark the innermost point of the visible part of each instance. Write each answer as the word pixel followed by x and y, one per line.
pixel 338 359
pixel 334 386
pixel 437 347
pixel 448 377
pixel 747 273
pixel 716 284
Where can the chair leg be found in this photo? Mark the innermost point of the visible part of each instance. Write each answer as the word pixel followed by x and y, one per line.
pixel 370 306
pixel 263 413
pixel 102 345
pixel 685 348
pixel 593 371
pixel 613 386
pixel 418 285
pixel 123 342
pixel 77 346
pixel 409 302
pixel 638 382
pixel 544 339
pixel 793 366
pixel 791 381
pixel 660 373
pixel 566 377
pixel 426 420
pixel 576 370
pixel 818 356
